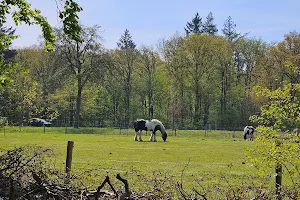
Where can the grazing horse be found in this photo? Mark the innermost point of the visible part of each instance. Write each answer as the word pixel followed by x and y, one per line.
pixel 153 125
pixel 248 133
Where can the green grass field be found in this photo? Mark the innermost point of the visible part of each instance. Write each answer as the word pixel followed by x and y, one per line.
pixel 193 154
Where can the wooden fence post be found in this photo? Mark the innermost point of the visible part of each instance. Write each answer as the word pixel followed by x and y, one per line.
pixel 69 156
pixel 278 179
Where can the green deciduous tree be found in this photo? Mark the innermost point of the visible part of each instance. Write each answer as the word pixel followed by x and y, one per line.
pixel 85 59
pixel 171 52
pixel 251 57
pixel 33 81
pixel 42 70
pixel 21 12
pixel 25 14
pixel 275 150
pixel 203 53
pixel 148 63
pixel 6 55
pixel 278 146
pixel 232 96
pixel 113 85
pixel 286 58
pixel 125 64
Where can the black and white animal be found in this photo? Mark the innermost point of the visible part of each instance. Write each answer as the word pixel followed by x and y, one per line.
pixel 153 125
pixel 248 133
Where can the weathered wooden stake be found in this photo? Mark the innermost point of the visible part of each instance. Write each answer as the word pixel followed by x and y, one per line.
pixel 278 179
pixel 69 156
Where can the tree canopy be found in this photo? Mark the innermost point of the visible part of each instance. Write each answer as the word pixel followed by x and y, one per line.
pixel 21 12
pixel 194 81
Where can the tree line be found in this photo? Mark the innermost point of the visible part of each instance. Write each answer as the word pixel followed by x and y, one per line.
pixel 198 79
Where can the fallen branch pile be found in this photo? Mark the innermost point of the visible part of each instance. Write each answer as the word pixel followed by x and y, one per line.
pixel 29 173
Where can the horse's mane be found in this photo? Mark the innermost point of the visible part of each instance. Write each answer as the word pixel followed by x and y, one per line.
pixel 159 122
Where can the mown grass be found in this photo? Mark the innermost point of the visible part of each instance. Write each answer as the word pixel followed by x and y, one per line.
pixel 189 155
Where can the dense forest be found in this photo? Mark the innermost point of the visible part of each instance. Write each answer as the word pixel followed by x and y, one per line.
pixel 202 78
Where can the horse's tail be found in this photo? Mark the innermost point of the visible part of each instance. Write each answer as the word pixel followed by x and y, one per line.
pixel 245 136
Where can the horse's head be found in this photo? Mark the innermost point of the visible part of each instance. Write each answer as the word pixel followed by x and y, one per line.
pixel 164 136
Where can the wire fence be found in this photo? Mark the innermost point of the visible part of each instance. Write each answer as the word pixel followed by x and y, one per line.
pixel 105 124
pixel 64 123
pixel 37 125
pixel 66 129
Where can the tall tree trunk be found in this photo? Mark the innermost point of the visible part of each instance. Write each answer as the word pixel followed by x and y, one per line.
pixel 45 105
pixel 206 114
pixel 116 110
pixel 238 65
pixel 128 97
pixel 79 86
pixel 150 103
pixel 197 115
pixel 181 106
pixel 78 104
pixel 71 111
pixel 127 116
pixel 223 99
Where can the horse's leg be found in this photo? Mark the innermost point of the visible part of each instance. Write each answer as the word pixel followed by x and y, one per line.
pixel 140 139
pixel 154 138
pixel 151 137
pixel 135 136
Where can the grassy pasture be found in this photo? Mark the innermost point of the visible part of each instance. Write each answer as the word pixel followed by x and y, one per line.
pixel 194 153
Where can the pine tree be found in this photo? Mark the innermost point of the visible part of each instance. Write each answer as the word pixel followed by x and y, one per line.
pixel 195 26
pixel 229 30
pixel 209 27
pixel 126 41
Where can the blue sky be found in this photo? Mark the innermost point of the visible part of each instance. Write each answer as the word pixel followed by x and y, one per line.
pixel 150 21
